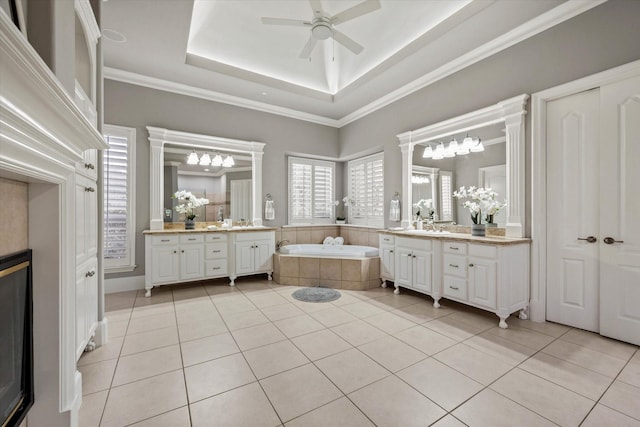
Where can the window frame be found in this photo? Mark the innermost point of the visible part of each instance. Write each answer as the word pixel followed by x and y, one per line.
pixel 126 264
pixel 367 220
pixel 313 163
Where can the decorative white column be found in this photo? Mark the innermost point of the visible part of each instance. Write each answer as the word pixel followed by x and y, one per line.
pixel 514 112
pixel 256 166
pixel 156 183
pixel 407 158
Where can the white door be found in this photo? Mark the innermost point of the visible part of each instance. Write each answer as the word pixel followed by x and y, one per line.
pixel 620 211
pixel 422 261
pixel 495 177
pixel 244 258
pixel 573 210
pixel 404 267
pixel 482 282
pixel 263 255
pixel 191 262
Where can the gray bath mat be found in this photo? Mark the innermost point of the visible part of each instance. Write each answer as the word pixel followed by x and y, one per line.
pixel 316 294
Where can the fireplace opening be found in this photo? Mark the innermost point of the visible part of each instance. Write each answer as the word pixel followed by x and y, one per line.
pixel 16 336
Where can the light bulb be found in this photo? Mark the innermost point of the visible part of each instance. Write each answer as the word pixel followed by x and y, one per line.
pixel 205 160
pixel 217 160
pixel 439 153
pixel 428 152
pixel 228 162
pixel 192 159
pixel 467 142
pixel 451 149
pixel 478 147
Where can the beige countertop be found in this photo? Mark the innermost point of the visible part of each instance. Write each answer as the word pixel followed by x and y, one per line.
pixel 206 230
pixel 459 237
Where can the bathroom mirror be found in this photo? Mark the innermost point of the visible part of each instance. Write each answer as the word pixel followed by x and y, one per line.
pixel 480 169
pixel 228 188
pixel 508 115
pixel 247 154
pixel 424 185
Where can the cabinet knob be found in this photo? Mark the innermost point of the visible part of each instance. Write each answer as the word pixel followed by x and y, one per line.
pixel 89 166
pixel 470 265
pixel 90 273
pixel 175 252
pixel 391 251
pixel 89 189
pixel 182 251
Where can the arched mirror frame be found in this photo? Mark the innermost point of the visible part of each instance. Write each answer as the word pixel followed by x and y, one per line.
pixel 158 137
pixel 511 112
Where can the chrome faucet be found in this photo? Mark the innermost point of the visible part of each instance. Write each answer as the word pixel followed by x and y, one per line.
pixel 281 244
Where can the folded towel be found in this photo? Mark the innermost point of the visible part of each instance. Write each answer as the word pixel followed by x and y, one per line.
pixel 338 240
pixel 269 210
pixel 328 240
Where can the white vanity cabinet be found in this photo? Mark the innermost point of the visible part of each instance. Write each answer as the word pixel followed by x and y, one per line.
pixel 414 267
pixel 490 277
pixel 253 253
pixel 387 258
pixel 86 305
pixel 215 254
pixel 191 250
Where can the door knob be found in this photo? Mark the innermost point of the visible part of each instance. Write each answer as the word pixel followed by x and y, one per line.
pixel 590 239
pixel 611 240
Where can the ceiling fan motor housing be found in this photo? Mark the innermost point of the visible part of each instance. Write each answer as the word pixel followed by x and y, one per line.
pixel 322 28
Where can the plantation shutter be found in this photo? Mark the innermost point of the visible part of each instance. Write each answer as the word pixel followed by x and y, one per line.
pixel 116 172
pixel 311 191
pixel 446 191
pixel 366 190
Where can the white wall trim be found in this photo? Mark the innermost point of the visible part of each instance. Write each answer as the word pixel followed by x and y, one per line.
pixel 539 102
pixel 123 284
pixel 210 95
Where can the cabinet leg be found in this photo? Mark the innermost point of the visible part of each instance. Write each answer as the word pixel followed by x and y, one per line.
pixel 397 290
pixel 523 314
pixel 232 281
pixel 269 276
pixel 91 345
pixel 436 303
pixel 147 292
pixel 383 283
pixel 503 321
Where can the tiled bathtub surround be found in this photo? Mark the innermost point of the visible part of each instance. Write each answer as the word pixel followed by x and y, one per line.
pixel 352 235
pixel 353 273
pixel 208 354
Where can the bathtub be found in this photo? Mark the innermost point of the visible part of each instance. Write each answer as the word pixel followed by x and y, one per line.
pixel 330 251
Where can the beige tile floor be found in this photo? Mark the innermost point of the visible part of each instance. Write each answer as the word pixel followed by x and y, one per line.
pixel 206 354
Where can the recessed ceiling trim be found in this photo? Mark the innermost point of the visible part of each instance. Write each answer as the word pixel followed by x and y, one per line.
pixel 529 29
pixel 210 95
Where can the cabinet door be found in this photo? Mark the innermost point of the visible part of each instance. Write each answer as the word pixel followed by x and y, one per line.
pixel 387 261
pixel 404 266
pixel 482 282
pixel 81 314
pixel 81 218
pixel 191 262
pixel 91 220
pixel 91 298
pixel 244 258
pixel 422 270
pixel 164 264
pixel 263 259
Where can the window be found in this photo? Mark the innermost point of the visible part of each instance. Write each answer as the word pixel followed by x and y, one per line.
pixel 119 200
pixel 311 191
pixel 366 190
pixel 446 192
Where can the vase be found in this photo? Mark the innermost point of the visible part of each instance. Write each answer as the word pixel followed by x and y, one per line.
pixel 189 224
pixel 491 225
pixel 341 221
pixel 478 229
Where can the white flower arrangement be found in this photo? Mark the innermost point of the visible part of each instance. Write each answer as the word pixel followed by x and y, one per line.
pixel 346 201
pixel 425 208
pixel 482 200
pixel 190 203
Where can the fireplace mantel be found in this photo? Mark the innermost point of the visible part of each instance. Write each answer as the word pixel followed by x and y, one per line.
pixel 42 136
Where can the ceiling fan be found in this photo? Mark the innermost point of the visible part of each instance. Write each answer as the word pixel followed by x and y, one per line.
pixel 323 26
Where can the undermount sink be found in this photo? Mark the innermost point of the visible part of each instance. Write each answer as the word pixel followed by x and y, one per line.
pixel 428 232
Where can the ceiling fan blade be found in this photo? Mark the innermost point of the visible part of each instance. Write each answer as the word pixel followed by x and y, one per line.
pixel 308 48
pixel 285 21
pixel 316 6
pixel 347 42
pixel 363 8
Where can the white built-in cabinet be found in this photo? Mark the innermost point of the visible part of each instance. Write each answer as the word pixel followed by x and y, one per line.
pixel 493 277
pixel 187 256
pixel 386 250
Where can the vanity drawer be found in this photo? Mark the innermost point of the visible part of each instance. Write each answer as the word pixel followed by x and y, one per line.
pixel 455 287
pixel 215 237
pixel 483 251
pixel 420 244
pixel 387 240
pixel 165 240
pixel 215 267
pixel 455 265
pixel 216 250
pixel 192 238
pixel 455 248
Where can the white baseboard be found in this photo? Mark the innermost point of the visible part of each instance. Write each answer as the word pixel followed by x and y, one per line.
pixel 123 284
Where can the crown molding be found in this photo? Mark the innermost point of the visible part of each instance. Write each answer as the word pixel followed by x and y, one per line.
pixel 210 95
pixel 551 18
pixel 529 29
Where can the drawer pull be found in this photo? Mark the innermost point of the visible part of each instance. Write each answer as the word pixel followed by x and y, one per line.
pixel 455 288
pixel 215 252
pixel 89 166
pixel 454 265
pixel 454 248
pixel 470 265
pixel 216 268
pixel 89 189
pixel 165 240
pixel 90 273
pixel 191 239
pixel 215 238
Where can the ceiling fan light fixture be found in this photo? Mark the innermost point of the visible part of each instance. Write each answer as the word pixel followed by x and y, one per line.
pixel 322 30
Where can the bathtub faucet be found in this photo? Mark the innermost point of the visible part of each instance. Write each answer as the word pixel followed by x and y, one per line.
pixel 281 244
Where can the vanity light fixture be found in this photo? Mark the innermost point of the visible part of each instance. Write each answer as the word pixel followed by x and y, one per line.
pixel 217 160
pixel 452 149
pixel 428 152
pixel 463 149
pixel 477 146
pixel 205 160
pixel 228 162
pixel 193 158
pixel 438 154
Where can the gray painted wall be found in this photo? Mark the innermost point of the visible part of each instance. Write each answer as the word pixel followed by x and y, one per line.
pixel 137 107
pixel 597 40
